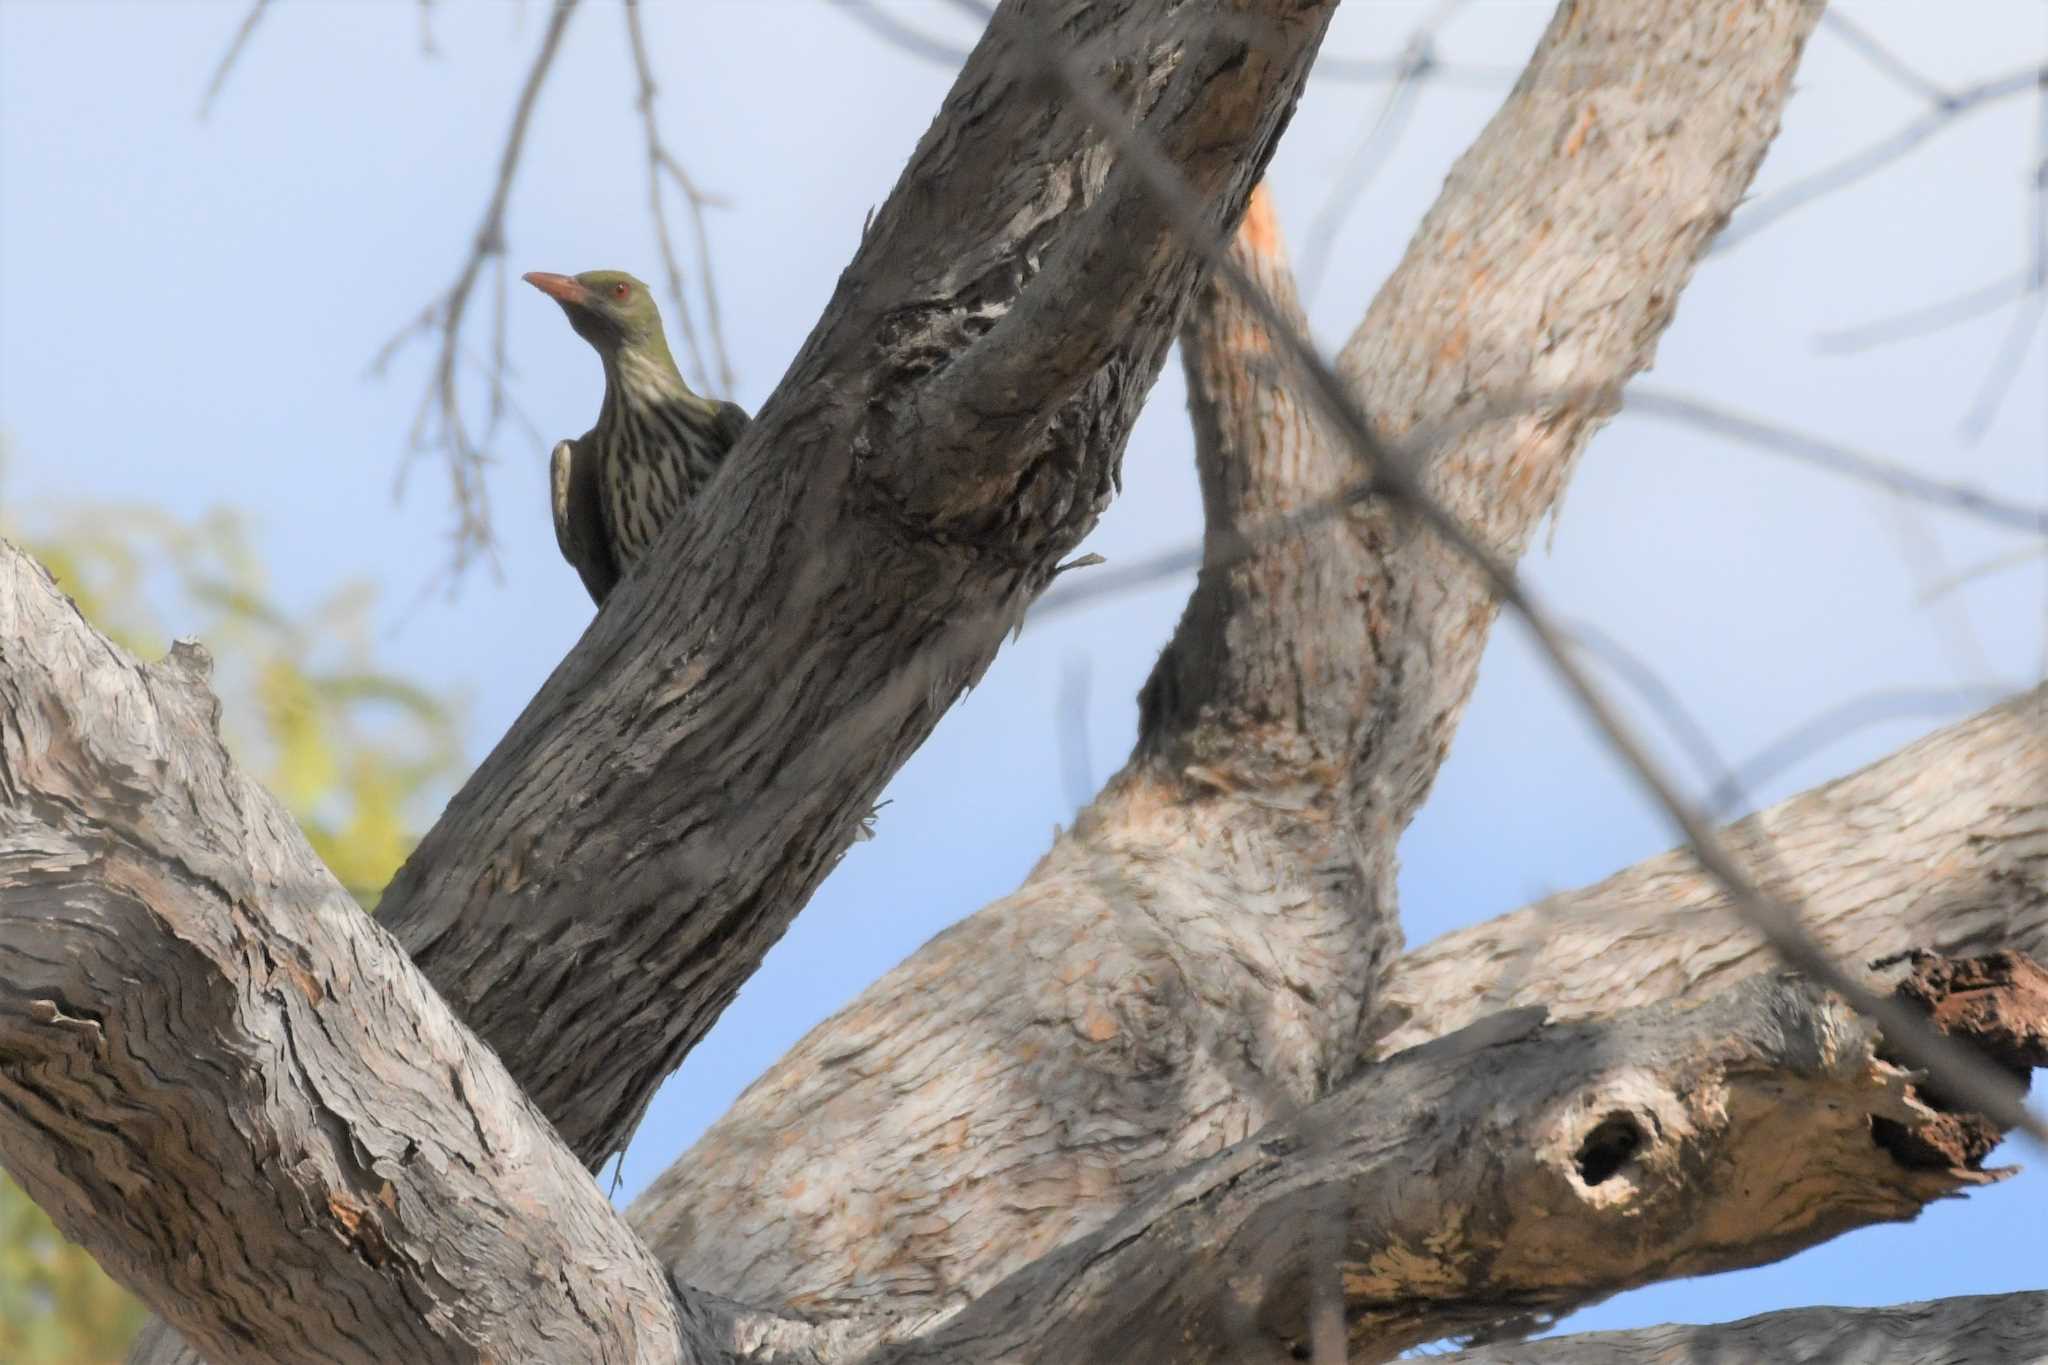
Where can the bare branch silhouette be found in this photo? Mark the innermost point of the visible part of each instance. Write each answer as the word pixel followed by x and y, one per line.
pixel 662 162
pixel 1878 155
pixel 250 20
pixel 2026 322
pixel 439 424
pixel 1885 60
pixel 1928 318
pixel 1836 459
pixel 1376 144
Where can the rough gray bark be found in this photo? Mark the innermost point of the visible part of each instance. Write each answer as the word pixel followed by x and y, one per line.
pixel 1943 845
pixel 951 428
pixel 1102 1106
pixel 1198 955
pixel 1506 1173
pixel 2003 1329
pixel 229 1084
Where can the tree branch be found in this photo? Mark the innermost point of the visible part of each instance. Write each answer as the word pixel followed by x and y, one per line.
pixel 2001 1329
pixel 1197 956
pixel 730 718
pixel 1508 1174
pixel 1941 844
pixel 226 1082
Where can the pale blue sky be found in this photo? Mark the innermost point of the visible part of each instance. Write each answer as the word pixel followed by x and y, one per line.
pixel 186 310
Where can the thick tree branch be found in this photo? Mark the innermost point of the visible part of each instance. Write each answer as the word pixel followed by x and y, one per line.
pixel 1197 957
pixel 1943 844
pixel 1508 1174
pixel 2001 1329
pixel 226 1082
pixel 728 721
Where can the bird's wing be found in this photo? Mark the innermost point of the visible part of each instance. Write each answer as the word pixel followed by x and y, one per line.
pixel 732 421
pixel 579 519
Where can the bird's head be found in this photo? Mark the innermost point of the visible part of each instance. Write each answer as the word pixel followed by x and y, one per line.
pixel 608 308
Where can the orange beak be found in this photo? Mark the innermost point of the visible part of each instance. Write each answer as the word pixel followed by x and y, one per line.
pixel 561 288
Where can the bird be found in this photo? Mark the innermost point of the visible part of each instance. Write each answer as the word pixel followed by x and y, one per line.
pixel 656 442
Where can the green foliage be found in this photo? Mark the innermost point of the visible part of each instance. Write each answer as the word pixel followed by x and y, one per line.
pixel 355 752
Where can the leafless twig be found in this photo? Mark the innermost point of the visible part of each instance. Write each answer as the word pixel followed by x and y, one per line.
pixel 1961 1073
pixel 439 423
pixel 1884 59
pixel 2026 321
pixel 1376 145
pixel 1838 722
pixel 661 162
pixel 1835 458
pixel 1933 317
pixel 1076 763
pixel 250 19
pixel 1878 155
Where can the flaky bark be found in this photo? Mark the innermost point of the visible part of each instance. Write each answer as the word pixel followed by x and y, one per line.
pixel 1998 1329
pixel 228 1083
pixel 597 892
pixel 1198 955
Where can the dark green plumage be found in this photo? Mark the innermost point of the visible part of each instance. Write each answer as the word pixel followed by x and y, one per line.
pixel 655 442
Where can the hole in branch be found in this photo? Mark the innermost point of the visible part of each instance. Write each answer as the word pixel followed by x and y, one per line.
pixel 1613 1142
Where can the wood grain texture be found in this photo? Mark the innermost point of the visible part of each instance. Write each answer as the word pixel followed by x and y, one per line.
pixel 1943 845
pixel 595 895
pixel 1198 955
pixel 229 1084
pixel 1503 1175
pixel 1991 1329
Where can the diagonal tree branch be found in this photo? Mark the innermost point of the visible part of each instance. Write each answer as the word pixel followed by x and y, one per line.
pixel 726 725
pixel 2004 1329
pixel 1942 844
pixel 229 1084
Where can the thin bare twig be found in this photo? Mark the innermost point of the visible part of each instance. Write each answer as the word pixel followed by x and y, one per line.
pixel 2026 321
pixel 1929 318
pixel 1838 722
pixel 439 422
pixel 1835 458
pixel 1960 1072
pixel 660 162
pixel 1885 60
pixel 1878 155
pixel 253 17
pixel 1376 146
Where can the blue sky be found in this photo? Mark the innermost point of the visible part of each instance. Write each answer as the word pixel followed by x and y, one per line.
pixel 187 309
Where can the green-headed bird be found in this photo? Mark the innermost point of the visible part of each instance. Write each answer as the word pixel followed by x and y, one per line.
pixel 655 442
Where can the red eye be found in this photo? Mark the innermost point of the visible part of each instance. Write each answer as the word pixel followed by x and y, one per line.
pixel 621 290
